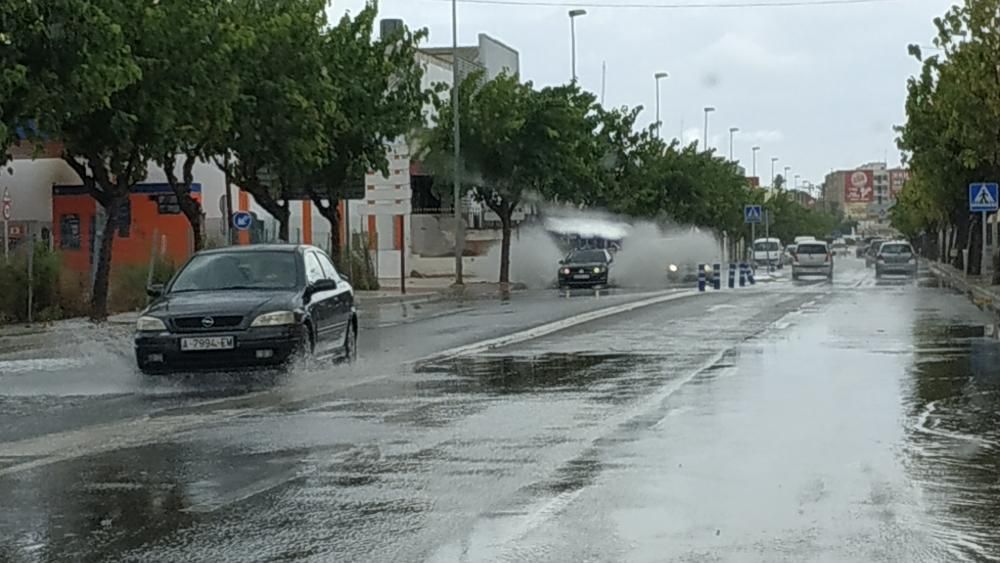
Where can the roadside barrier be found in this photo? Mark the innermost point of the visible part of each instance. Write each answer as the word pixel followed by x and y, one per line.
pixel 732 275
pixel 701 277
pixel 717 276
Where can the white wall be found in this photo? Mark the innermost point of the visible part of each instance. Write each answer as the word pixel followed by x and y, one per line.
pixel 497 58
pixel 30 186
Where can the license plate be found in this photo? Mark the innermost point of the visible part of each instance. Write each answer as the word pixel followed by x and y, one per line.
pixel 207 343
pixel 581 277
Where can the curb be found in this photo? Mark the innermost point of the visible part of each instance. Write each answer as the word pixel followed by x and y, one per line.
pixel 981 297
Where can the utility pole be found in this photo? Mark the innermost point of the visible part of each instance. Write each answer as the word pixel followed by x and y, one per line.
pixel 732 133
pixel 708 110
pixel 658 76
pixel 604 79
pixel 456 139
pixel 573 14
pixel 753 151
pixel 773 160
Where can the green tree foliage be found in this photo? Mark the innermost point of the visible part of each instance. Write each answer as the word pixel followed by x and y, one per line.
pixel 515 140
pixel 57 57
pixel 358 122
pixel 952 132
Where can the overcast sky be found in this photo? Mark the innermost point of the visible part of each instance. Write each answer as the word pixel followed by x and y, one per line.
pixel 819 87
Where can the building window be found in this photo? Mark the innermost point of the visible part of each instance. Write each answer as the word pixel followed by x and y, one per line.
pixel 167 204
pixel 69 231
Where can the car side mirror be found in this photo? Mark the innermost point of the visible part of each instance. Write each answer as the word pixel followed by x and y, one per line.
pixel 562 262
pixel 155 290
pixel 322 285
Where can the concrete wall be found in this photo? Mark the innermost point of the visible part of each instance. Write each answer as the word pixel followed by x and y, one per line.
pixel 497 58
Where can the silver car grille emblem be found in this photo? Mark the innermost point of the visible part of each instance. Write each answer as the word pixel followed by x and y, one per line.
pixel 208 322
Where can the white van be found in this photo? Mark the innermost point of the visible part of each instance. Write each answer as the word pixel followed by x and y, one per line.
pixel 767 251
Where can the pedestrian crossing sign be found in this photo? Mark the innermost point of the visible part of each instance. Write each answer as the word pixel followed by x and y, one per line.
pixel 983 197
pixel 751 214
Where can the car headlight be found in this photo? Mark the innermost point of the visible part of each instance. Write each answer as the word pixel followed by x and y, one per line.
pixel 598 269
pixel 277 318
pixel 672 267
pixel 708 268
pixel 565 271
pixel 150 324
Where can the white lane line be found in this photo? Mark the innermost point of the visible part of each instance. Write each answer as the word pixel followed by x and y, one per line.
pixel 556 326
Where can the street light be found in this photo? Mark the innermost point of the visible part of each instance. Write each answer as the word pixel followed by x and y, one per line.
pixel 795 185
pixel 658 76
pixel 456 181
pixel 573 14
pixel 732 132
pixel 754 150
pixel 785 178
pixel 708 110
pixel 773 160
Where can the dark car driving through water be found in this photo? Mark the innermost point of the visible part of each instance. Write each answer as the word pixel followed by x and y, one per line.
pixel 247 306
pixel 585 268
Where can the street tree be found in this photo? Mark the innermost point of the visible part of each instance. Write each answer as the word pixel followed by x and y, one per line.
pixel 278 136
pixel 198 76
pixel 378 98
pixel 57 57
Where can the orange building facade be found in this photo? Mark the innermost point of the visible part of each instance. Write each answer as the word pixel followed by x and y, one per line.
pixel 151 219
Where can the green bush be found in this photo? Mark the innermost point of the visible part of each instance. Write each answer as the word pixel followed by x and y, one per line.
pixel 359 266
pixel 128 284
pixel 44 283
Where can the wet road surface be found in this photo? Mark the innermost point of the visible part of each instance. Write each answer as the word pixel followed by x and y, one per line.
pixel 792 421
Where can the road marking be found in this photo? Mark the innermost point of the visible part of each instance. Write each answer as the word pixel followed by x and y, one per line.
pixel 556 326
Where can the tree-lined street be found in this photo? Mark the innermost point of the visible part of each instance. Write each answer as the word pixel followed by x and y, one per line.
pixel 806 421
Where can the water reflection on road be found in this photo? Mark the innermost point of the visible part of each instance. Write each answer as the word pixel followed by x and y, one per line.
pixel 954 403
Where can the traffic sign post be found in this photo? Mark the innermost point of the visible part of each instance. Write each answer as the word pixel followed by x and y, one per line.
pixel 983 198
pixel 5 210
pixel 752 216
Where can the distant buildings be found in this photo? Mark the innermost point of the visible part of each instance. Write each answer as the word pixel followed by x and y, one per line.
pixel 866 193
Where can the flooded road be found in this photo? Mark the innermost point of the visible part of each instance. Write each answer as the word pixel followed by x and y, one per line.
pixel 791 421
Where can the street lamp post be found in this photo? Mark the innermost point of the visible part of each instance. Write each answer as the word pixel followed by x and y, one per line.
pixel 708 110
pixel 732 132
pixel 573 14
pixel 787 168
pixel 753 151
pixel 658 76
pixel 456 182
pixel 773 160
pixel 795 185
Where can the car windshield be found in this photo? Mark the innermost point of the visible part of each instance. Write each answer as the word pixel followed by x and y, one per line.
pixel 896 249
pixel 812 249
pixel 238 270
pixel 764 246
pixel 581 256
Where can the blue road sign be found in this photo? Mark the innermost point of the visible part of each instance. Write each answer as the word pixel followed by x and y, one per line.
pixel 752 214
pixel 242 220
pixel 983 197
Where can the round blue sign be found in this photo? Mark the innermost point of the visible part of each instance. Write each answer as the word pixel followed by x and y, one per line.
pixel 242 220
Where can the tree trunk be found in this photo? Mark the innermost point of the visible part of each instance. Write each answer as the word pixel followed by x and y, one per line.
pixel 505 243
pixel 102 277
pixel 331 213
pixel 277 210
pixel 190 207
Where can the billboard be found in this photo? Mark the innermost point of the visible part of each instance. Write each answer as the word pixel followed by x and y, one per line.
pixel 897 179
pixel 859 186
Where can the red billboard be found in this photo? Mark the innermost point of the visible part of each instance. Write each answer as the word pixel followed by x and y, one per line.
pixel 897 179
pixel 859 186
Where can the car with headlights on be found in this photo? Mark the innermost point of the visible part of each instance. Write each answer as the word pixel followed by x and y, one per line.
pixel 247 306
pixel 585 268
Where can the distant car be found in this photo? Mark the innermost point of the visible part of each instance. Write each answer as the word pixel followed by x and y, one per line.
pixel 872 252
pixel 896 258
pixel 586 268
pixel 788 256
pixel 767 252
pixel 839 248
pixel 247 306
pixel 812 258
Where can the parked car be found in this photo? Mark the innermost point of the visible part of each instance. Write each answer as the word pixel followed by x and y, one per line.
pixel 839 248
pixel 896 258
pixel 812 258
pixel 872 252
pixel 767 251
pixel 247 306
pixel 585 268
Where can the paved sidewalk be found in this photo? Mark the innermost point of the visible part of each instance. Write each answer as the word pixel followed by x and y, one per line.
pixel 977 288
